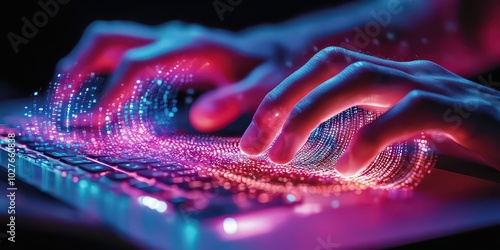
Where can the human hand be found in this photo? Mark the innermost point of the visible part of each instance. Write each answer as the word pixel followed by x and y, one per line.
pixel 219 60
pixel 416 96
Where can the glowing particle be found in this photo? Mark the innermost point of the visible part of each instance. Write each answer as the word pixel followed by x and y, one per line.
pixel 230 226
pixel 335 204
pixel 390 36
pixel 290 198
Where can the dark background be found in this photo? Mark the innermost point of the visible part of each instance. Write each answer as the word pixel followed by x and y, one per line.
pixel 33 66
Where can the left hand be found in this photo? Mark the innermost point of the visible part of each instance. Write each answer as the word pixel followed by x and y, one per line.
pixel 418 96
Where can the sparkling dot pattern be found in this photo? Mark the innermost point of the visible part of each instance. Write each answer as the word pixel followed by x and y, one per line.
pixel 143 125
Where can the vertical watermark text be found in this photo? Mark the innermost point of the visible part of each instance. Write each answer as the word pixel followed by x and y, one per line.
pixel 11 189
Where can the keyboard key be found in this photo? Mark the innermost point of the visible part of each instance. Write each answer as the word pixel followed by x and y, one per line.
pixel 117 176
pixel 187 173
pixel 129 157
pixel 96 156
pixel 215 208
pixel 32 156
pixel 144 186
pixel 180 201
pixel 62 168
pixel 148 173
pixel 168 167
pixel 170 180
pixel 151 189
pixel 145 161
pixel 113 160
pixel 94 168
pixel 34 145
pixel 59 154
pixel 177 172
pixel 23 139
pixel 130 167
pixel 44 148
pixel 191 185
pixel 138 184
pixel 75 160
pixel 204 179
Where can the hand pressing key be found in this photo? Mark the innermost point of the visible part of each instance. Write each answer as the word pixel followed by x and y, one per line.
pixel 417 96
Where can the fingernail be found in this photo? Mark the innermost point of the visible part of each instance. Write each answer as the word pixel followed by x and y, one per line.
pixel 248 142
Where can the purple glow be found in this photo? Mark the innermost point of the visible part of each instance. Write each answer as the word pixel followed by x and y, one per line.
pixel 142 126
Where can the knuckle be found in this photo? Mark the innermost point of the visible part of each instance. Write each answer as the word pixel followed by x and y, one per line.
pixel 295 118
pixel 418 98
pixel 270 114
pixel 132 58
pixel 427 104
pixel 331 55
pixel 97 27
pixel 363 70
pixel 270 99
pixel 426 63
pixel 426 67
pixel 296 112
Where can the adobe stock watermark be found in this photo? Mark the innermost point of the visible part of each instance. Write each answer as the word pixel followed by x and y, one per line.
pixel 381 19
pixel 30 26
pixel 460 112
pixel 488 83
pixel 223 6
pixel 326 244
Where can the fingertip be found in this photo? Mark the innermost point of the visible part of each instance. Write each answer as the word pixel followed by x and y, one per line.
pixel 209 115
pixel 345 166
pixel 249 141
pixel 281 161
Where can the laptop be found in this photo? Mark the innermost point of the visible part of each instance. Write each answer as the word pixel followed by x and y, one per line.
pixel 160 202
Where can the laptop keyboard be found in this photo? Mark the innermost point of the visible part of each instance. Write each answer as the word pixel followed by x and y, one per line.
pixel 180 186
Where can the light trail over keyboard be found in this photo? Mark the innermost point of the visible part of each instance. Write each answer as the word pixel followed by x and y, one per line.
pixel 136 136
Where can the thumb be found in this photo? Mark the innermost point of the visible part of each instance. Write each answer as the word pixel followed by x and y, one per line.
pixel 216 109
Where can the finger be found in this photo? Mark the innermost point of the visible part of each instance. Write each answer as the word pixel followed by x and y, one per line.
pixel 218 108
pixel 205 65
pixel 103 42
pixel 101 48
pixel 197 64
pixel 420 111
pixel 359 84
pixel 272 112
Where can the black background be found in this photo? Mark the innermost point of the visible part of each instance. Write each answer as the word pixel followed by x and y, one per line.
pixel 33 66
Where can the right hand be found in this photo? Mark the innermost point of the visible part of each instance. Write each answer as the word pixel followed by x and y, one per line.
pixel 416 96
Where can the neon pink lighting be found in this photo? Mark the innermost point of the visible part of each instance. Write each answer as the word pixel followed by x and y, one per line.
pixel 141 123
